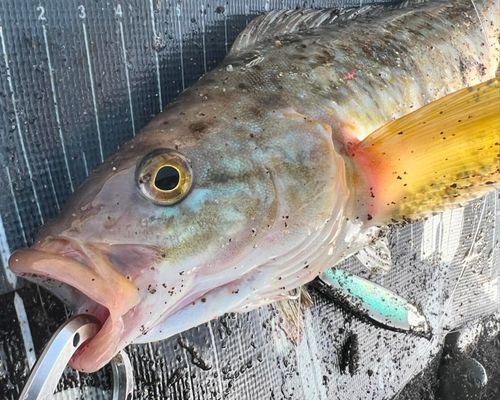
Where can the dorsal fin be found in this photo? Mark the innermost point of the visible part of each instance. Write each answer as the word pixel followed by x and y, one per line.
pixel 281 22
pixel 278 23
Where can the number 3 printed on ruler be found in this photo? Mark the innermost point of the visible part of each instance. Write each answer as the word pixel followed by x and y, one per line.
pixel 82 14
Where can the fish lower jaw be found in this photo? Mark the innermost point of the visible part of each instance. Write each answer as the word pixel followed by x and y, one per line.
pixel 99 350
pixel 98 290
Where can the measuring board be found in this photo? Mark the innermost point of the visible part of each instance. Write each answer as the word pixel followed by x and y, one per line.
pixel 80 78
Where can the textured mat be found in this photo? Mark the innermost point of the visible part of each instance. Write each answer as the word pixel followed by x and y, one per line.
pixel 78 79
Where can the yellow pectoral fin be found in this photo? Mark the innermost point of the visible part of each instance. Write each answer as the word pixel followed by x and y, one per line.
pixel 439 156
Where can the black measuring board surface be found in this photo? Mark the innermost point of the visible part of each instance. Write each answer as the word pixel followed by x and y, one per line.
pixel 80 78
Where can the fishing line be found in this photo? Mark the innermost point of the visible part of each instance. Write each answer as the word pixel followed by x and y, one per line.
pixel 450 300
pixel 462 272
pixel 480 22
pixel 298 314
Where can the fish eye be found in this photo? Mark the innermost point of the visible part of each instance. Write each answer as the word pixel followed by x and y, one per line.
pixel 164 177
pixel 167 178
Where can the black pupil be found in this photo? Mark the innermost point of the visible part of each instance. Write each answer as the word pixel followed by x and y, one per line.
pixel 167 178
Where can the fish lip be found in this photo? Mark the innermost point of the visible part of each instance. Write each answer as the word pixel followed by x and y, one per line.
pixel 86 269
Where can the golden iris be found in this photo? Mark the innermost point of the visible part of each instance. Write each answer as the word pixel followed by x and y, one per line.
pixel 164 176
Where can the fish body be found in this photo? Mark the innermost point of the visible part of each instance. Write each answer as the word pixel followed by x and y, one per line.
pixel 247 185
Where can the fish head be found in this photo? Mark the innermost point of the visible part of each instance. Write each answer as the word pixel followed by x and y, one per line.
pixel 210 209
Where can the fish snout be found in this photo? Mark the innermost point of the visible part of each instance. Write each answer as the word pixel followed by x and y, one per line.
pixel 83 277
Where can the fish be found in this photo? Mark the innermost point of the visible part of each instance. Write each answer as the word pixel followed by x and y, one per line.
pixel 265 173
pixel 364 298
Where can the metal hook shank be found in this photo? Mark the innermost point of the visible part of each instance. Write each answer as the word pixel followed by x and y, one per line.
pixel 123 377
pixel 47 372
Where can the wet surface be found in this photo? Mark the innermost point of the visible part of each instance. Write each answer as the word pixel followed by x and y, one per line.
pixel 249 356
pixel 76 82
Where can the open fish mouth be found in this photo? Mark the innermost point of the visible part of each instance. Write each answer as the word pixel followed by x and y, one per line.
pixel 101 290
pixel 115 284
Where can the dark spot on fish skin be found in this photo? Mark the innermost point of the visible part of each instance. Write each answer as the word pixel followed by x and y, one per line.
pixel 463 69
pixel 369 217
pixel 325 57
pixel 198 127
pixel 165 122
pixel 273 100
pixel 482 69
pixel 400 133
pixel 255 111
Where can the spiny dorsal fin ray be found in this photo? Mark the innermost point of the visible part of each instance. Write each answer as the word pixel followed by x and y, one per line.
pixel 277 23
pixel 281 22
